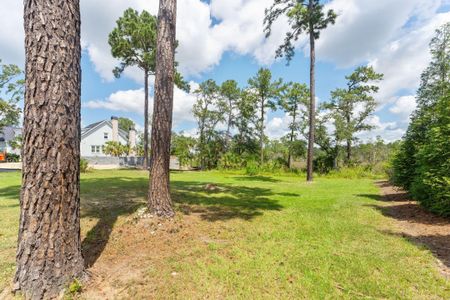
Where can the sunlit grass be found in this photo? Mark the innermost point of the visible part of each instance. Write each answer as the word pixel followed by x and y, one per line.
pixel 268 237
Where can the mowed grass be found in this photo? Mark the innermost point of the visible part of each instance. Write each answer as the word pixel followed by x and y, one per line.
pixel 261 237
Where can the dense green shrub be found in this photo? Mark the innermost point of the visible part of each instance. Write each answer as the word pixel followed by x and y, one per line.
pixel 231 161
pixel 84 165
pixel 431 184
pixel 252 168
pixel 11 157
pixel 323 163
pixel 422 164
pixel 355 172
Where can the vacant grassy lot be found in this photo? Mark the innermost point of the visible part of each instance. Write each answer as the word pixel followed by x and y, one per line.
pixel 243 237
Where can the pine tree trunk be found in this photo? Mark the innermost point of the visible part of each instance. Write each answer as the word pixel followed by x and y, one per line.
pixel 335 157
pixel 49 247
pixel 261 134
pixel 312 105
pixel 290 148
pixel 160 202
pixel 228 134
pixel 292 137
pixel 349 152
pixel 145 164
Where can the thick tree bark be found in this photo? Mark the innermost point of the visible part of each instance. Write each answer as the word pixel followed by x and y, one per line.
pixel 312 104
pixel 160 202
pixel 49 246
pixel 145 164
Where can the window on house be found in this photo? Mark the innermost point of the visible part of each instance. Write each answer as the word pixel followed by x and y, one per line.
pixel 96 149
pixel 105 135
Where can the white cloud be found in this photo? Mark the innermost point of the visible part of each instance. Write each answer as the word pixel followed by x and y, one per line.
pixel 403 107
pixel 133 101
pixel 403 60
pixel 389 131
pixel 277 127
pixel 365 26
pixel 201 41
pixel 392 36
pixel 129 101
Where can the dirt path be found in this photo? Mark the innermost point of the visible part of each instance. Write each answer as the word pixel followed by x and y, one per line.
pixel 417 224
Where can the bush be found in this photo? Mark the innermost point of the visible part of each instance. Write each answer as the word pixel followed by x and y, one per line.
pixel 422 165
pixel 323 163
pixel 355 173
pixel 252 168
pixel 84 165
pixel 11 157
pixel 231 161
pixel 431 184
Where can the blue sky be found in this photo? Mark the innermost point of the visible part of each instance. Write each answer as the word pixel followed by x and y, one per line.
pixel 223 39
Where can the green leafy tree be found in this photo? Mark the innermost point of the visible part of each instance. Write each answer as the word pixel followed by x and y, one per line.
pixel 266 94
pixel 351 107
pixel 116 149
pixel 209 111
pixel 245 140
pixel 11 92
pixel 304 17
pixel 231 94
pixel 329 145
pixel 133 42
pixel 422 163
pixel 16 143
pixel 293 101
pixel 183 147
pixel 125 124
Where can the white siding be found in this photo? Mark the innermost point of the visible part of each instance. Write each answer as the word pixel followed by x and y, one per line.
pixel 96 138
pixel 9 134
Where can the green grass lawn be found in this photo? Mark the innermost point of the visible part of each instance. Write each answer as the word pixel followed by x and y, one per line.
pixel 253 237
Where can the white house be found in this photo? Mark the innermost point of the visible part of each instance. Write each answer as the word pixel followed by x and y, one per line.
pixel 94 137
pixel 7 135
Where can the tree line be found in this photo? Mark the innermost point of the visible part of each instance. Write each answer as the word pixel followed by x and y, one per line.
pixel 232 121
pixel 422 163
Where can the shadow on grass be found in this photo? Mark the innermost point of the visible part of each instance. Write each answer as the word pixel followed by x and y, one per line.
pixel 425 227
pixel 108 198
pixel 10 192
pixel 438 244
pixel 225 202
pixel 257 178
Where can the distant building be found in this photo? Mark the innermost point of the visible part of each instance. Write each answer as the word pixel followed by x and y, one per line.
pixel 95 136
pixel 7 135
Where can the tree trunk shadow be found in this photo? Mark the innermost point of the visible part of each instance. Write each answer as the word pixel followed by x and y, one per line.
pixel 96 240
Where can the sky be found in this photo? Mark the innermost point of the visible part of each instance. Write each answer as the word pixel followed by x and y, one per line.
pixel 224 39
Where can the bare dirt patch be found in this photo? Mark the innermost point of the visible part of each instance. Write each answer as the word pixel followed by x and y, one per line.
pixel 140 256
pixel 417 224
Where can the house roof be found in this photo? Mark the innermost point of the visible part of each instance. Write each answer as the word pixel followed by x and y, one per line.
pixel 94 126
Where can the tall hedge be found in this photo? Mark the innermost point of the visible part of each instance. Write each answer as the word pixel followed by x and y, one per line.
pixel 422 164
